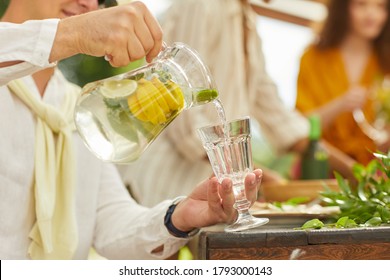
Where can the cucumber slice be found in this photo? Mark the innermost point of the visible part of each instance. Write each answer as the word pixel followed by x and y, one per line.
pixel 206 95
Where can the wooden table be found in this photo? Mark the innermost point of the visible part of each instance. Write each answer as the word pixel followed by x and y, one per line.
pixel 281 242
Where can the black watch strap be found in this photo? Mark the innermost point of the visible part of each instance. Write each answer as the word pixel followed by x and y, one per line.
pixel 172 229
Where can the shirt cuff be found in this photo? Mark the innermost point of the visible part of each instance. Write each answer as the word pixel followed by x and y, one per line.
pixel 30 42
pixel 44 43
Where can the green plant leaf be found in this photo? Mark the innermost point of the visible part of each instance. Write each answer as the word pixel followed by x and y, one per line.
pixel 292 201
pixel 374 221
pixel 384 212
pixel 362 203
pixel 364 217
pixel 361 191
pixel 297 200
pixel 359 171
pixel 341 222
pixel 345 222
pixel 350 224
pixel 313 224
pixel 342 183
pixel 372 167
pixel 277 204
pixel 384 163
pixel 378 201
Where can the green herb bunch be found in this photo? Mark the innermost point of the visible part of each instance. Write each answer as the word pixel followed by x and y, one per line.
pixel 365 202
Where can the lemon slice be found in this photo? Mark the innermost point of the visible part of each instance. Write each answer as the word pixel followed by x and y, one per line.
pixel 163 96
pixel 176 92
pixel 166 94
pixel 146 93
pixel 158 117
pixel 135 108
pixel 113 89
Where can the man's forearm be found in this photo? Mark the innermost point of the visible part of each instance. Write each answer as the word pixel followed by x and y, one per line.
pixel 63 45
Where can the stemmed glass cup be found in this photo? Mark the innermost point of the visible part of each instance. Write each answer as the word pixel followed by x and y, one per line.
pixel 229 150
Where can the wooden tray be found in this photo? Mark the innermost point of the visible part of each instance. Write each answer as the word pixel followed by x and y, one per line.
pixel 283 191
pixel 293 215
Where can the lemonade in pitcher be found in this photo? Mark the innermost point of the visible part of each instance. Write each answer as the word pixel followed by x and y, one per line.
pixel 119 117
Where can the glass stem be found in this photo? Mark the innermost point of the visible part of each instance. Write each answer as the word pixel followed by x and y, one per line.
pixel 242 206
pixel 241 202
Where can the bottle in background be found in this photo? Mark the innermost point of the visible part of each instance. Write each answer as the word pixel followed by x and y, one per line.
pixel 314 163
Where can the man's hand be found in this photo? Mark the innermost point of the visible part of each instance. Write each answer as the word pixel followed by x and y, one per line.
pixel 212 203
pixel 124 33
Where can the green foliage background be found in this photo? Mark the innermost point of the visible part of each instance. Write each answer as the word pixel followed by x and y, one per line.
pixel 3 6
pixel 82 69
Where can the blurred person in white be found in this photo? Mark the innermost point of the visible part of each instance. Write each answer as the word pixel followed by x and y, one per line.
pixel 57 199
pixel 224 33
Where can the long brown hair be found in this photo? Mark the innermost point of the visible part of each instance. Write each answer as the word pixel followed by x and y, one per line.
pixel 336 27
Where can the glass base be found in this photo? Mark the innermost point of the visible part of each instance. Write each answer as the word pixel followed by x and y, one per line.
pixel 246 221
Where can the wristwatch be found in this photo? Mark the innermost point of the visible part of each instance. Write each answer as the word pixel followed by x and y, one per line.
pixel 171 228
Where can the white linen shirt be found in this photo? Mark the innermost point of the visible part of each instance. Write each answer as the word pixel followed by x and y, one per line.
pixel 107 217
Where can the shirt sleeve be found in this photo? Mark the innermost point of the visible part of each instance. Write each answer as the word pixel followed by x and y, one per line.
pixel 282 126
pixel 30 43
pixel 127 230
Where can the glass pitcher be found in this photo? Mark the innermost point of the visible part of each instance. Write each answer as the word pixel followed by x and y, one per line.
pixel 119 117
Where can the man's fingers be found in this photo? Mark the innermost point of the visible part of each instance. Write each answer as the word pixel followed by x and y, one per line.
pixel 135 49
pixel 214 198
pixel 252 183
pixel 123 34
pixel 259 175
pixel 156 33
pixel 227 195
pixel 118 59
pixel 144 36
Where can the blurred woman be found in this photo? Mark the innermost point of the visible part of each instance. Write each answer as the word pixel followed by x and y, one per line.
pixel 338 70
